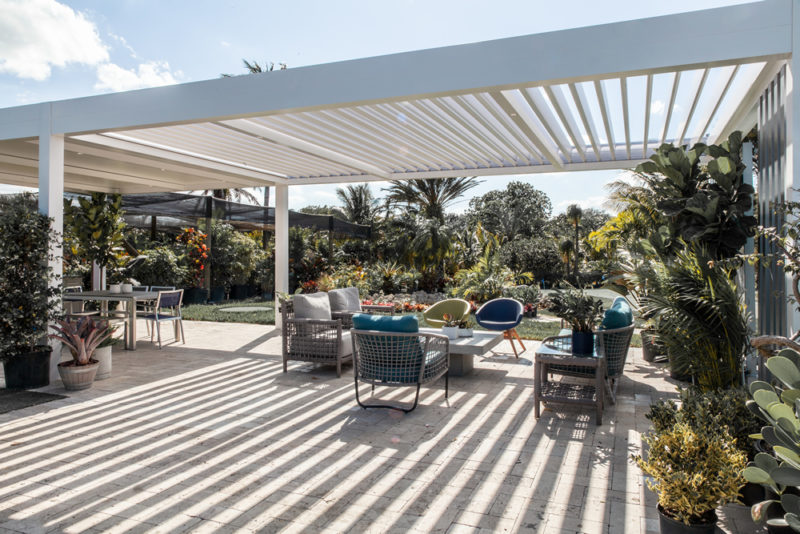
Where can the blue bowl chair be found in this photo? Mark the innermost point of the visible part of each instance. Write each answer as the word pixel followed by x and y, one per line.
pixel 502 315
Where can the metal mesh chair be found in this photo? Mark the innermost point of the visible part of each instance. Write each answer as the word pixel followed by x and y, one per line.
pixel 313 340
pixel 399 359
pixel 611 344
pixel 167 308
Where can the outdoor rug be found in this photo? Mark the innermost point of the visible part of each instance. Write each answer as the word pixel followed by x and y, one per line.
pixel 16 399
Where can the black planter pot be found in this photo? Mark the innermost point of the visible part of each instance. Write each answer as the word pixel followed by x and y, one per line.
pixel 683 377
pixel 751 493
pixel 648 345
pixel 217 294
pixel 582 342
pixel 672 526
pixel 240 292
pixel 195 295
pixel 28 371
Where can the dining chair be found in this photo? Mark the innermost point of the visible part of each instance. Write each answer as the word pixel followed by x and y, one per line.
pixel 167 308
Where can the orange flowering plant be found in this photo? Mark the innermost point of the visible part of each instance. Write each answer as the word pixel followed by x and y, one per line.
pixel 197 253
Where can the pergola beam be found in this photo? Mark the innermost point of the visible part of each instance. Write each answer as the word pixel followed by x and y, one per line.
pixel 295 143
pixel 751 32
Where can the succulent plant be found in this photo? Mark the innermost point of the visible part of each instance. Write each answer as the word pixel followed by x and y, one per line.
pixel 778 406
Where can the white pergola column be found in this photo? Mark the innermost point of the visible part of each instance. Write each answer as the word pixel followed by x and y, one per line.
pixel 281 245
pixel 51 203
pixel 792 171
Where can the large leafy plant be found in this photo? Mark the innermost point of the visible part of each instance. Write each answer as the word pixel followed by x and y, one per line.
pixel 702 194
pixel 692 471
pixel 97 224
pixel 577 308
pixel 778 406
pixel 29 300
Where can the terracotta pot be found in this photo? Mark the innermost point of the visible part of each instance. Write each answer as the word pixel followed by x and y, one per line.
pixel 77 377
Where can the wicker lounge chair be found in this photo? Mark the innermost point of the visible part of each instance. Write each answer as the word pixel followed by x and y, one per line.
pixel 346 302
pixel 399 359
pixel 310 334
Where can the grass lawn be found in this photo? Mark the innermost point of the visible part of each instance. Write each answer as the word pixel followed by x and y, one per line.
pixel 216 312
pixel 528 329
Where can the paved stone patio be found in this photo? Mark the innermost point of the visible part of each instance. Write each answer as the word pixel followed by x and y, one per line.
pixel 211 436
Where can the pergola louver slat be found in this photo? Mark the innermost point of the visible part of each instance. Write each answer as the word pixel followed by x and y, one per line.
pixel 517 108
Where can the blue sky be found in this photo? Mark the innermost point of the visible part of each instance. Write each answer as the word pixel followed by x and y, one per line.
pixel 53 50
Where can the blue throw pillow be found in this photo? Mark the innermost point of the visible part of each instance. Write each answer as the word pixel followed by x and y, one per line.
pixel 619 315
pixel 386 323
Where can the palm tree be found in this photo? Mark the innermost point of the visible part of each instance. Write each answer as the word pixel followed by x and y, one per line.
pixel 360 206
pixel 430 197
pixel 233 195
pixel 566 248
pixel 574 215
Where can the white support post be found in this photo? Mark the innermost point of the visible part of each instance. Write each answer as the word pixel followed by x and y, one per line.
pixel 51 203
pixel 747 274
pixel 281 245
pixel 792 176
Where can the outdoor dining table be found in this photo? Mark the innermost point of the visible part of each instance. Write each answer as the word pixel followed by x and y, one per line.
pixel 130 300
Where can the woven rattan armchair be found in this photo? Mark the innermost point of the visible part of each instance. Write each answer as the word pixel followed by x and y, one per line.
pixel 611 344
pixel 399 359
pixel 346 302
pixel 313 340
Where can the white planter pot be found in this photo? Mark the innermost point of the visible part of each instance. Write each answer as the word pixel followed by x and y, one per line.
pixel 103 355
pixel 450 331
pixel 465 332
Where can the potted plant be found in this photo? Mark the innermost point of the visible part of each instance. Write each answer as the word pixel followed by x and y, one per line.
pixel 97 224
pixel 465 327
pixel 103 355
pixel 693 472
pixel 450 328
pixel 30 299
pixel 82 337
pixel 197 258
pixel 581 312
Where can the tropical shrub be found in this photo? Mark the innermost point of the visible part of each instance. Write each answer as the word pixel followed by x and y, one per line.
pixel 537 255
pixel 263 274
pixel 693 472
pixel 483 281
pixel 196 257
pixel 526 294
pixel 390 278
pixel 161 267
pixel 701 319
pixel 29 302
pixel 232 256
pixel 723 412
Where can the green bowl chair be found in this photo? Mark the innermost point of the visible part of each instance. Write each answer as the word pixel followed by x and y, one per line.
pixel 458 308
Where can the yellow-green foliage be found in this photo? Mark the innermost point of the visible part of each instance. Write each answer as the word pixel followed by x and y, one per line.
pixel 693 473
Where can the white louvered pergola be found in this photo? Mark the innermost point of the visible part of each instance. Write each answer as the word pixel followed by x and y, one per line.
pixel 600 97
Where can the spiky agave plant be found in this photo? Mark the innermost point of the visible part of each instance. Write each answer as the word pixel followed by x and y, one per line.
pixel 82 337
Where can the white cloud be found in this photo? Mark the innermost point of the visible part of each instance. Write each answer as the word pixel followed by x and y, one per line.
pixel 226 44
pixel 37 35
pixel 596 202
pixel 121 40
pixel 657 107
pixel 149 74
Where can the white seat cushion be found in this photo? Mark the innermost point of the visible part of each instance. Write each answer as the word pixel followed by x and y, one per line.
pixel 345 300
pixel 312 306
pixel 346 346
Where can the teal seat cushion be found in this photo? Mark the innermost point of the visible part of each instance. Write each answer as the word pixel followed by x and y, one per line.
pixel 386 323
pixel 619 315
